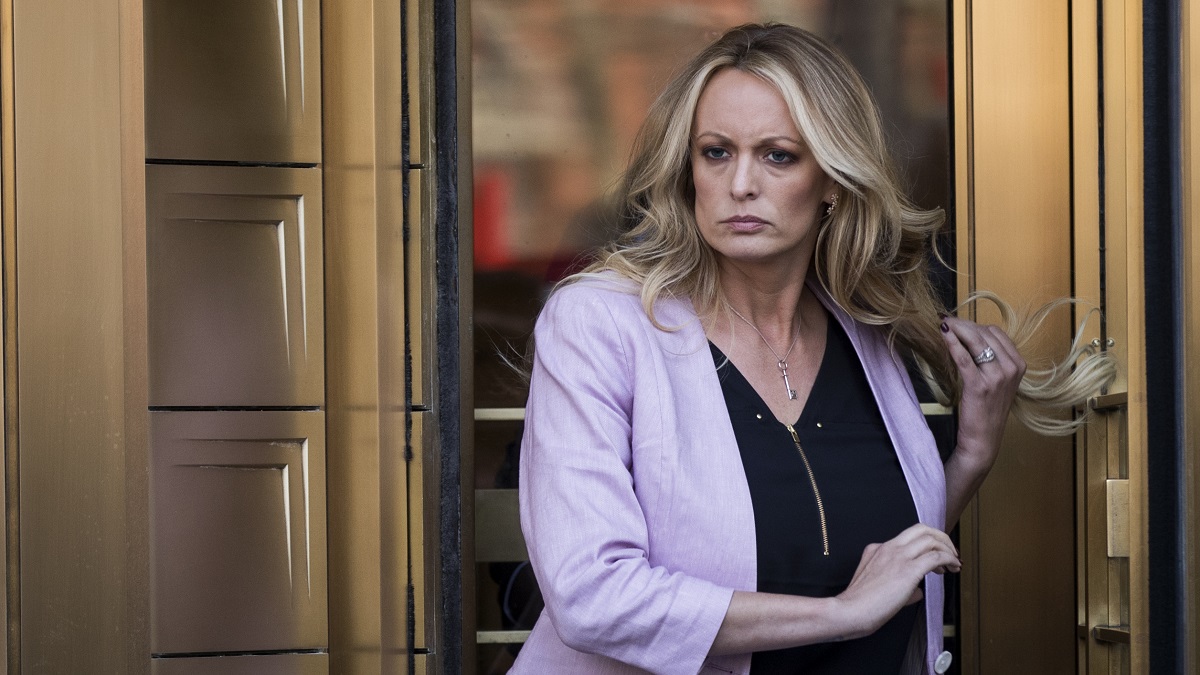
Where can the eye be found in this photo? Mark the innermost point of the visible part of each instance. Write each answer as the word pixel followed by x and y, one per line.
pixel 714 152
pixel 780 157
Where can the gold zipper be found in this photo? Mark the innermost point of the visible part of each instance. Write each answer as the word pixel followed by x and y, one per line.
pixel 816 493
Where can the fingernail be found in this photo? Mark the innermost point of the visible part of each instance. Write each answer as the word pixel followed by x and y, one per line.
pixel 945 328
pixel 942 315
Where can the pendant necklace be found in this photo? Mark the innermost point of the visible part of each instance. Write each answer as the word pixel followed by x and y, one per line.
pixel 780 362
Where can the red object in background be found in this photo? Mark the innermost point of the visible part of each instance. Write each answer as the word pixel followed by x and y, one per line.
pixel 493 190
pixel 939 73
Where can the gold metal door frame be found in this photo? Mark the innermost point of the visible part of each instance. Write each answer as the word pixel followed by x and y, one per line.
pixel 11 523
pixel 1190 69
pixel 11 593
pixel 75 299
pixel 398 220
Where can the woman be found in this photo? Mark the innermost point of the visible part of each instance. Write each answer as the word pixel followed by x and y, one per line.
pixel 725 467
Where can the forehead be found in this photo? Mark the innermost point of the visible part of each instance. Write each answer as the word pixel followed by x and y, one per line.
pixel 734 100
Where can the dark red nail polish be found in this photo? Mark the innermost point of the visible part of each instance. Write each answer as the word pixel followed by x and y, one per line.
pixel 942 315
pixel 945 328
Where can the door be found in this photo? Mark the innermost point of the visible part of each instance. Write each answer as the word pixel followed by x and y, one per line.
pixel 1046 157
pixel 559 90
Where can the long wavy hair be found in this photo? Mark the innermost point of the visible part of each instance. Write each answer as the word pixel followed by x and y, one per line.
pixel 872 253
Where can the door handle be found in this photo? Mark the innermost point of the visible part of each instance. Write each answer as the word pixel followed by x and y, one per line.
pixel 1107 403
pixel 1117 490
pixel 1117 635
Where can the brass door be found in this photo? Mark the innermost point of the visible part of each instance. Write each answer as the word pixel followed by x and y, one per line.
pixel 1013 168
pixel 1048 150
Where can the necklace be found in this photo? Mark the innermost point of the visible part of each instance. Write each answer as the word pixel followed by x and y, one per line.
pixel 780 361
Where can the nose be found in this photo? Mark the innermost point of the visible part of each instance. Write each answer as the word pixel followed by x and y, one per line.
pixel 745 178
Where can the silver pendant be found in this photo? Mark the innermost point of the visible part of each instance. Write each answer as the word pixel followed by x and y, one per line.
pixel 783 366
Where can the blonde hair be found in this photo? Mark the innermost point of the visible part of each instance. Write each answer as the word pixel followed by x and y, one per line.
pixel 872 253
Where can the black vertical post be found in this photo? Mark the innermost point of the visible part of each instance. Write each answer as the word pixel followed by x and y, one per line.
pixel 447 311
pixel 1161 40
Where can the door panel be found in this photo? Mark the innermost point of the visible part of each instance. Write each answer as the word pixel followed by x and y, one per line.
pixel 1017 544
pixel 238 531
pixel 236 286
pixel 233 80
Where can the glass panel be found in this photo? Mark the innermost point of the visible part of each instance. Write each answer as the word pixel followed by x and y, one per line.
pixel 560 89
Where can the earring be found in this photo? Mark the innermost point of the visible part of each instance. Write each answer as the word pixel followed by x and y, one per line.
pixel 833 202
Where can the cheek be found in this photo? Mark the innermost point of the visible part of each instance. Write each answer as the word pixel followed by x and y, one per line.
pixel 703 190
pixel 809 194
pixel 700 184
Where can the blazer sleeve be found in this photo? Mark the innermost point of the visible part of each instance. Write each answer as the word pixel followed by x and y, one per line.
pixel 580 511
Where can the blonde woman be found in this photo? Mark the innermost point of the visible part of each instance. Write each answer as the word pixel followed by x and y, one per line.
pixel 725 468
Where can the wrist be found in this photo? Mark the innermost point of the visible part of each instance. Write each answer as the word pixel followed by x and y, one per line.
pixel 846 622
pixel 979 456
pixel 969 464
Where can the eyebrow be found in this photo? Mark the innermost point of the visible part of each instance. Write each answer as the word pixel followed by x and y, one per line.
pixel 767 140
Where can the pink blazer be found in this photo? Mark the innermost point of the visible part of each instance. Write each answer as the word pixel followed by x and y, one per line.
pixel 633 499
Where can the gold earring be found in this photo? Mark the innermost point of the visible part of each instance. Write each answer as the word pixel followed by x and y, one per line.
pixel 833 201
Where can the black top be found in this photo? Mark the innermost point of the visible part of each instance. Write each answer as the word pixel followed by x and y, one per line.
pixel 862 489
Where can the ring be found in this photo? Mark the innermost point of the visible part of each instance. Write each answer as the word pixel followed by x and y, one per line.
pixel 985 356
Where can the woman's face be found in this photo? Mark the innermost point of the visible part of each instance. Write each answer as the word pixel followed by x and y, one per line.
pixel 759 191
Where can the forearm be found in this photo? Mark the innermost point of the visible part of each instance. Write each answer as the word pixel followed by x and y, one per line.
pixel 964 475
pixel 766 621
pixel 887 578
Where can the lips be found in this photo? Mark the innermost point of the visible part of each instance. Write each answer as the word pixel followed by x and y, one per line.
pixel 744 223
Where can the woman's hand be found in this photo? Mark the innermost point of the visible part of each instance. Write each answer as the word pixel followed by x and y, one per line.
pixel 991 370
pixel 889 574
pixel 887 579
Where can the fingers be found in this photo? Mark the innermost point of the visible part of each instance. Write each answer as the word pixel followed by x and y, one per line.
pixel 971 336
pixel 929 549
pixel 1000 342
pixel 889 575
pixel 940 561
pixel 916 532
pixel 965 342
pixel 968 342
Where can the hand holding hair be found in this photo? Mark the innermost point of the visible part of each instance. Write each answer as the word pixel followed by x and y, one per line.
pixel 991 370
pixel 994 380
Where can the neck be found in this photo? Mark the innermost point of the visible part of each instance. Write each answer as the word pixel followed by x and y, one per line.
pixel 772 302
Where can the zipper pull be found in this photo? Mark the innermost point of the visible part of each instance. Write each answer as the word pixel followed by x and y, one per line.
pixel 792 431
